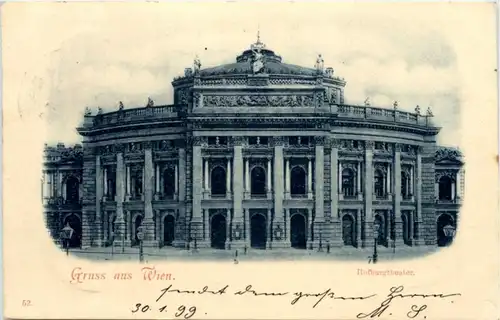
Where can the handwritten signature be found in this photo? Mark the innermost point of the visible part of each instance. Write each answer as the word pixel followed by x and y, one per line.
pixel 395 292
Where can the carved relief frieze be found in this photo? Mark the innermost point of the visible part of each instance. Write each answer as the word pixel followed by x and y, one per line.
pixel 291 81
pixel 134 147
pixel 450 154
pixel 197 100
pixel 382 167
pixel 452 174
pixel 351 145
pixel 258 100
pixel 369 145
pixel 349 165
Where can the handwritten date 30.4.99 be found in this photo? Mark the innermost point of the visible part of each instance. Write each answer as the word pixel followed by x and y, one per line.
pixel 181 311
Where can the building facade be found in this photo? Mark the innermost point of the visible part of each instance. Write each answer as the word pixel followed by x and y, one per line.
pixel 256 153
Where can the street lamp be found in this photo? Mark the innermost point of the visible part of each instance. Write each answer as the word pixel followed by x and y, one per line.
pixel 375 237
pixel 449 232
pixel 66 235
pixel 140 236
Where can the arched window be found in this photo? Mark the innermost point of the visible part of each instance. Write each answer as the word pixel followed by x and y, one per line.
pixel 258 181
pixel 72 190
pixel 348 183
pixel 445 184
pixel 218 181
pixel 379 183
pixel 298 181
pixel 169 182
pixel 404 184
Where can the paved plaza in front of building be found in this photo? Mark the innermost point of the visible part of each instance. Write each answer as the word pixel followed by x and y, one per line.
pixel 173 254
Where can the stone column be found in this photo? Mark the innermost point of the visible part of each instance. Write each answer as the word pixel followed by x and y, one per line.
pixel 412 181
pixel 269 182
pixel 206 225
pixel 238 219
pixel 453 185
pixel 148 181
pixel 120 195
pixel 106 183
pixel 319 192
pixel 228 179
pixel 127 183
pixel 98 199
pixel 287 177
pixel 278 189
pixel 157 181
pixel 336 237
pixel 368 193
pixel 176 181
pixel 269 229
pixel 207 187
pixel 358 181
pixel 180 224
pixel 228 229
pixel 388 180
pixel 247 178
pixel 359 221
pixel 246 227
pixel 418 199
pixel 309 178
pixel 410 227
pixel 197 222
pixel 458 185
pixel 287 232
pixel 397 195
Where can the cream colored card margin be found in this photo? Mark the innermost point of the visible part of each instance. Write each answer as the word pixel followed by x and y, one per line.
pixel 35 270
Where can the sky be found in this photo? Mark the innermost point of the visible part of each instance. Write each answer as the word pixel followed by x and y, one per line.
pixel 120 52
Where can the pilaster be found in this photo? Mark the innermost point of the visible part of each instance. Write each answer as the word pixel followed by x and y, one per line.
pixel 336 234
pixel 397 196
pixel 148 223
pixel 120 195
pixel 238 218
pixel 368 194
pixel 99 193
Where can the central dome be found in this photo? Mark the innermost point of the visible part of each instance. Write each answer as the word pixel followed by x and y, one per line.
pixel 272 64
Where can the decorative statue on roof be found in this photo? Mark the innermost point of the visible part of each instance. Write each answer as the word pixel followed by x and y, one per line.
pixel 197 64
pixel 88 112
pixel 151 103
pixel 258 57
pixel 367 102
pixel 320 64
pixel 395 105
pixel 99 110
pixel 429 112
pixel 417 109
pixel 120 106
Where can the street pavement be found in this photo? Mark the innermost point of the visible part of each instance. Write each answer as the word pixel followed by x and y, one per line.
pixel 208 254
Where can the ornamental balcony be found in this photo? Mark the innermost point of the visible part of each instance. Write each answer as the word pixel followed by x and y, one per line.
pixel 351 196
pixel 454 201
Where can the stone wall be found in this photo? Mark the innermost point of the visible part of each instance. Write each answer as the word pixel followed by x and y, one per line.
pixel 89 196
pixel 428 224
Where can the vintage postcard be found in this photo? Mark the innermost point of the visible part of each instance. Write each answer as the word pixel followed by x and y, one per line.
pixel 250 160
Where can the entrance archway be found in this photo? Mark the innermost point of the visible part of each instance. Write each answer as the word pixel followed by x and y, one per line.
pixel 258 231
pixel 298 181
pixel 75 223
pixel 348 230
pixel 298 229
pixel 168 230
pixel 444 220
pixel 258 181
pixel 218 232
pixel 137 224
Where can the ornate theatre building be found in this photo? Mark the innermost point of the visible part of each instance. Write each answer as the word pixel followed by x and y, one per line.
pixel 256 153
